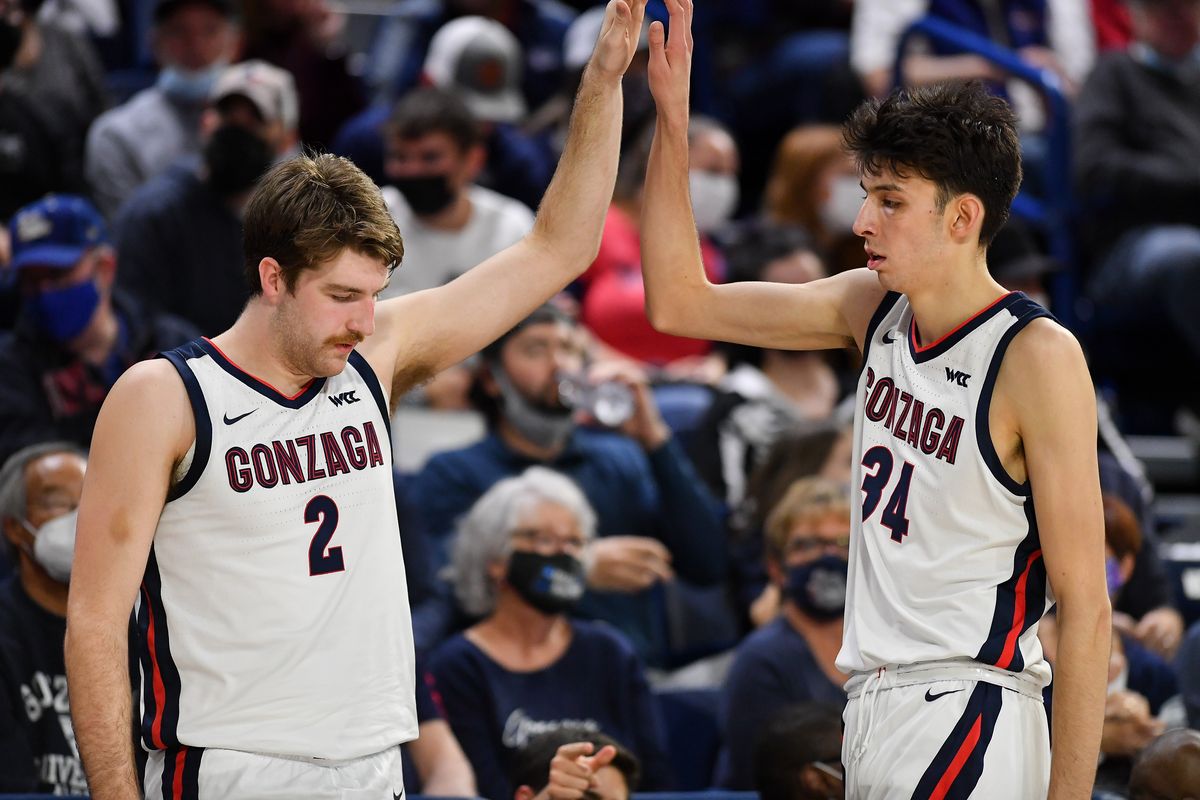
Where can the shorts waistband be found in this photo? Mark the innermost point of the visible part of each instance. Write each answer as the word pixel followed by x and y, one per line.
pixel 893 676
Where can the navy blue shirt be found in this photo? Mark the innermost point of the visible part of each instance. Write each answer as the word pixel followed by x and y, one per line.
pixel 37 742
pixel 598 683
pixel 773 668
pixel 633 493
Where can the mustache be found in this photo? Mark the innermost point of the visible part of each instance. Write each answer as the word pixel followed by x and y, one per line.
pixel 353 340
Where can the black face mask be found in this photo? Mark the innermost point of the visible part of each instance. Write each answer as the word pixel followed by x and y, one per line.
pixel 426 194
pixel 818 588
pixel 551 584
pixel 236 159
pixel 10 41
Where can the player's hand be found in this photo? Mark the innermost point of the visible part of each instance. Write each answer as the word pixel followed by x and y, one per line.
pixel 671 63
pixel 573 770
pixel 619 34
pixel 627 563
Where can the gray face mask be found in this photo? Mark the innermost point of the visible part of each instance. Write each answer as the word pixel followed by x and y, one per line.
pixel 547 428
pixel 54 545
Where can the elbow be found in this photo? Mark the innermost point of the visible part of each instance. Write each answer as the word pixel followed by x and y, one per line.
pixel 665 317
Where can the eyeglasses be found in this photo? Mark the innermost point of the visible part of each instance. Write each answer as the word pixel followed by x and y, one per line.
pixel 833 770
pixel 547 542
pixel 810 547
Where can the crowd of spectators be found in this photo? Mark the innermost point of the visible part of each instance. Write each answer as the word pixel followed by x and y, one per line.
pixel 640 512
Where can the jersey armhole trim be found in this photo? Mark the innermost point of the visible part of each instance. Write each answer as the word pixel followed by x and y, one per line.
pixel 983 433
pixel 203 426
pixel 363 367
pixel 885 307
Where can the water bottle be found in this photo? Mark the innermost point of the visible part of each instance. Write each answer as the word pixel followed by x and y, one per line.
pixel 610 403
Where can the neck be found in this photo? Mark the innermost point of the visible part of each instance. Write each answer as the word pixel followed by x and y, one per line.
pixel 96 343
pixel 48 593
pixel 964 290
pixel 805 379
pixel 516 441
pixel 813 629
pixel 243 345
pixel 454 218
pixel 521 637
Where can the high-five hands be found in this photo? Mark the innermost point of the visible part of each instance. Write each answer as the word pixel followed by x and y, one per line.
pixel 619 35
pixel 671 63
pixel 573 769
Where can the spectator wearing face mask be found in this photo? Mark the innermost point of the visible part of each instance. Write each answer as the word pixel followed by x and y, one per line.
pixel 193 42
pixel 40 487
pixel 518 672
pixel 180 235
pixel 75 332
pixel 791 659
pixel 613 298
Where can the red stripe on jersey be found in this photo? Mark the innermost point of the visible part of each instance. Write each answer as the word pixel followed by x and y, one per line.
pixel 912 331
pixel 160 691
pixel 1010 641
pixel 960 759
pixel 177 784
pixel 255 378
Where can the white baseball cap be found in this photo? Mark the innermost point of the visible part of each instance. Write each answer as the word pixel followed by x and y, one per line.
pixel 480 61
pixel 270 89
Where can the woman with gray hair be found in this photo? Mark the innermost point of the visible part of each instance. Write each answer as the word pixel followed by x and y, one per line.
pixel 526 667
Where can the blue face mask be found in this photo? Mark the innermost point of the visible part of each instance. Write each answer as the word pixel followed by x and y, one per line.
pixel 1112 575
pixel 64 313
pixel 818 588
pixel 187 85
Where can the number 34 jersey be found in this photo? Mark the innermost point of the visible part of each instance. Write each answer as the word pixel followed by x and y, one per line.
pixel 273 616
pixel 945 561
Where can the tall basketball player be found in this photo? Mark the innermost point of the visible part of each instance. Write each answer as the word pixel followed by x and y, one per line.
pixel 975 448
pixel 240 496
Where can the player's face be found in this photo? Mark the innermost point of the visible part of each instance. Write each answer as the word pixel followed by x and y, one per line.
pixel 330 311
pixel 535 356
pixel 903 229
pixel 549 529
pixel 813 537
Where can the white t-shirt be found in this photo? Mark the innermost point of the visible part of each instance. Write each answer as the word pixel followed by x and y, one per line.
pixel 433 257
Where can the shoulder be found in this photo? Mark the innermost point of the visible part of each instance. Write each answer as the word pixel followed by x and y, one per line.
pixel 158 196
pixel 471 458
pixel 456 663
pixel 1043 349
pixel 766 643
pixel 121 120
pixel 499 209
pixel 601 640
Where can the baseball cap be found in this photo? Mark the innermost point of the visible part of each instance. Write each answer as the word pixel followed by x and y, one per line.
pixel 55 232
pixel 580 39
pixel 164 9
pixel 479 60
pixel 270 89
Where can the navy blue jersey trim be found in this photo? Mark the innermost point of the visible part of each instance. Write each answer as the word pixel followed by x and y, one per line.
pixel 185 760
pixel 885 306
pixel 960 333
pixel 156 621
pixel 1026 311
pixel 178 358
pixel 1027 562
pixel 369 377
pixel 983 708
pixel 269 392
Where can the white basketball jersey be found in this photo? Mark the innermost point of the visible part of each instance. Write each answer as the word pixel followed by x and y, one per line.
pixel 273 616
pixel 945 561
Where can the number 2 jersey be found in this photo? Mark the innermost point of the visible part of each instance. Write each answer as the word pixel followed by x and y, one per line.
pixel 945 561
pixel 273 616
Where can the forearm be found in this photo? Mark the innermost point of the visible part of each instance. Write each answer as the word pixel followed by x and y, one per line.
pixel 570 219
pixel 1080 681
pixel 98 681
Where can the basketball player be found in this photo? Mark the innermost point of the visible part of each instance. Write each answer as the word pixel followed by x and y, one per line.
pixel 240 498
pixel 975 448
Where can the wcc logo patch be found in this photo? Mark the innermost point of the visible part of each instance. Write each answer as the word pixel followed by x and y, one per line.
pixel 955 376
pixel 343 398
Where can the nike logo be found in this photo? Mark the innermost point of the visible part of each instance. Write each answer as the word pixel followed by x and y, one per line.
pixel 229 421
pixel 888 338
pixel 930 697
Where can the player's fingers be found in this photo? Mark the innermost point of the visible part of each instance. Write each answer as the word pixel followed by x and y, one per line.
pixel 658 53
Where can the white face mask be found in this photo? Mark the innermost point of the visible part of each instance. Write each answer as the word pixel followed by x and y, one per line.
pixel 54 545
pixel 841 208
pixel 714 197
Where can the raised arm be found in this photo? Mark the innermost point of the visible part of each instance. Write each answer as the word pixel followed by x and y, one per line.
pixel 429 331
pixel 143 426
pixel 1045 380
pixel 829 313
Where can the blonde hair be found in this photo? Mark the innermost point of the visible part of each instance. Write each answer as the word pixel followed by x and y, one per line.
pixel 805 500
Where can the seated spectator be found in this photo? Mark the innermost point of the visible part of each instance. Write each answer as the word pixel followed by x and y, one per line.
pixel 791 658
pixel 1168 769
pixel 614 298
pixel 449 222
pixel 527 667
pixel 180 235
pixel 75 332
pixel 304 38
pixel 40 487
pixel 574 761
pixel 436 760
pixel 1187 663
pixel 765 392
pixel 798 754
pixel 655 518
pixel 193 41
pixel 1137 138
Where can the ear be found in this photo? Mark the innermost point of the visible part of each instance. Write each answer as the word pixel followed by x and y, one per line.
pixel 16 534
pixel 523 793
pixel 106 266
pixel 1126 566
pixel 775 571
pixel 965 217
pixel 270 277
pixel 210 120
pixel 487 380
pixel 496 570
pixel 474 163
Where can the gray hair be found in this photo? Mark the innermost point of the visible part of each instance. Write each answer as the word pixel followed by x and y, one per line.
pixel 13 502
pixel 485 533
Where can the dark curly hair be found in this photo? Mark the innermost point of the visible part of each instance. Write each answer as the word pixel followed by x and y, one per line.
pixel 955 134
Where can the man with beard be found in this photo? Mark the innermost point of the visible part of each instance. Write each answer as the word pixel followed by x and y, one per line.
pixel 180 235
pixel 655 518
